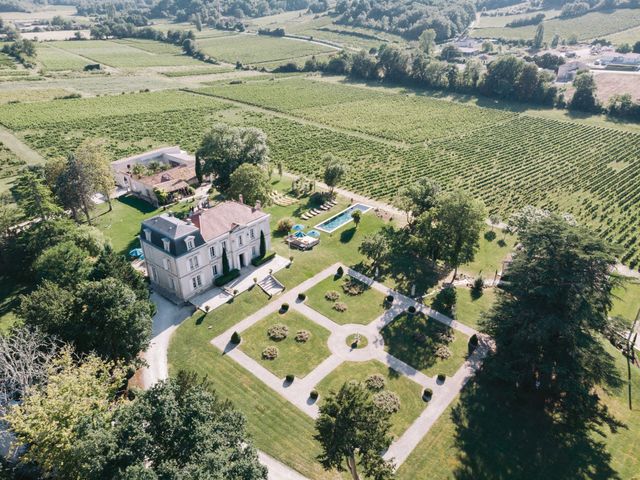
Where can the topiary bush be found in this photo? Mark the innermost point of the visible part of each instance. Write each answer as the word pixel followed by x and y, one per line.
pixel 340 307
pixel 290 378
pixel 388 402
pixel 278 332
pixel 442 377
pixel 375 382
pixel 303 336
pixel 331 295
pixel 427 394
pixel 411 310
pixel 340 272
pixel 284 308
pixel 302 296
pixel 314 395
pixel 270 353
pixel 389 299
pixel 235 338
pixel 473 343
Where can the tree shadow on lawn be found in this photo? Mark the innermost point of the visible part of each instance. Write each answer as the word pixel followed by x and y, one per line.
pixel 414 339
pixel 501 437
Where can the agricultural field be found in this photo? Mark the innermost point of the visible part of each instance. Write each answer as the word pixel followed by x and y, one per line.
pixel 631 36
pixel 589 171
pixel 585 27
pixel 31 95
pixel 10 166
pixel 411 119
pixel 54 58
pixel 131 53
pixel 258 49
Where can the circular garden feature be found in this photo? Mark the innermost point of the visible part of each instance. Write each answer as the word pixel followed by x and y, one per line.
pixel 356 340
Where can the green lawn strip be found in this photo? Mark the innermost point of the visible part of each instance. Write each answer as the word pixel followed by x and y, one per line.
pixel 297 358
pixel 277 427
pixel 490 255
pixel 414 339
pixel 469 308
pixel 362 308
pixel 627 303
pixel 410 393
pixel 439 455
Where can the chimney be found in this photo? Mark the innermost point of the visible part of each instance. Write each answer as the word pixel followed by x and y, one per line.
pixel 258 205
pixel 240 198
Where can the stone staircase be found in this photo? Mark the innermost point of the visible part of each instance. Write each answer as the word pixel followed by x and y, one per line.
pixel 271 286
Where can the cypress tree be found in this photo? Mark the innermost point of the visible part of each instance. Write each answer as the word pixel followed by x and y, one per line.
pixel 198 169
pixel 263 245
pixel 225 262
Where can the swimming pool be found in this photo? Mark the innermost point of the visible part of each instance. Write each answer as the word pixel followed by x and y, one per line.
pixel 341 218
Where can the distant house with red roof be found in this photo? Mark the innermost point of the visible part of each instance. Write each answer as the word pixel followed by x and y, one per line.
pixel 159 176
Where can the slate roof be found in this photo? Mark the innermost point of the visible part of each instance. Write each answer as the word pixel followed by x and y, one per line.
pixel 225 217
pixel 173 229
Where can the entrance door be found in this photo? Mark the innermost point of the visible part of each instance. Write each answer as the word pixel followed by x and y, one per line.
pixel 241 260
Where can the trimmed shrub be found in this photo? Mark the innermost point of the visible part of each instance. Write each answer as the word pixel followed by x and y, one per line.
pixel 302 296
pixel 284 225
pixel 389 299
pixel 340 307
pixel 331 295
pixel 303 336
pixel 284 308
pixel 442 377
pixel 411 310
pixel 278 332
pixel 235 338
pixel 340 272
pixel 313 395
pixel 387 401
pixel 256 262
pixel 375 382
pixel 427 394
pixel 353 287
pixel 232 275
pixel 443 352
pixel 473 343
pixel 270 353
pixel 290 378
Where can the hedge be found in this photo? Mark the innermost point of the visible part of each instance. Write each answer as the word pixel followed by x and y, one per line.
pixel 256 262
pixel 232 275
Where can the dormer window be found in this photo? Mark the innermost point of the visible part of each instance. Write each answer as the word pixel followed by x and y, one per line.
pixel 190 243
pixel 147 234
pixel 166 244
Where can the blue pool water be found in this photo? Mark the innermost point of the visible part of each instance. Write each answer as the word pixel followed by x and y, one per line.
pixel 342 218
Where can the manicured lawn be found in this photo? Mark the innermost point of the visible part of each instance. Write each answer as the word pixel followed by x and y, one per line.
pixel 627 303
pixel 414 339
pixel 490 254
pixel 410 393
pixel 362 308
pixel 122 224
pixel 294 357
pixel 503 443
pixel 469 309
pixel 277 427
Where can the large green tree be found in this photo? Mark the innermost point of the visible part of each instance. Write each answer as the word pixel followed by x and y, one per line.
pixel 584 97
pixel 224 149
pixel 112 264
pixel 417 198
pixel 351 429
pixel 334 171
pixel 74 186
pixel 48 419
pixel 549 318
pixel 34 197
pixel 427 41
pixel 179 429
pixel 92 155
pixel 65 264
pixel 251 182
